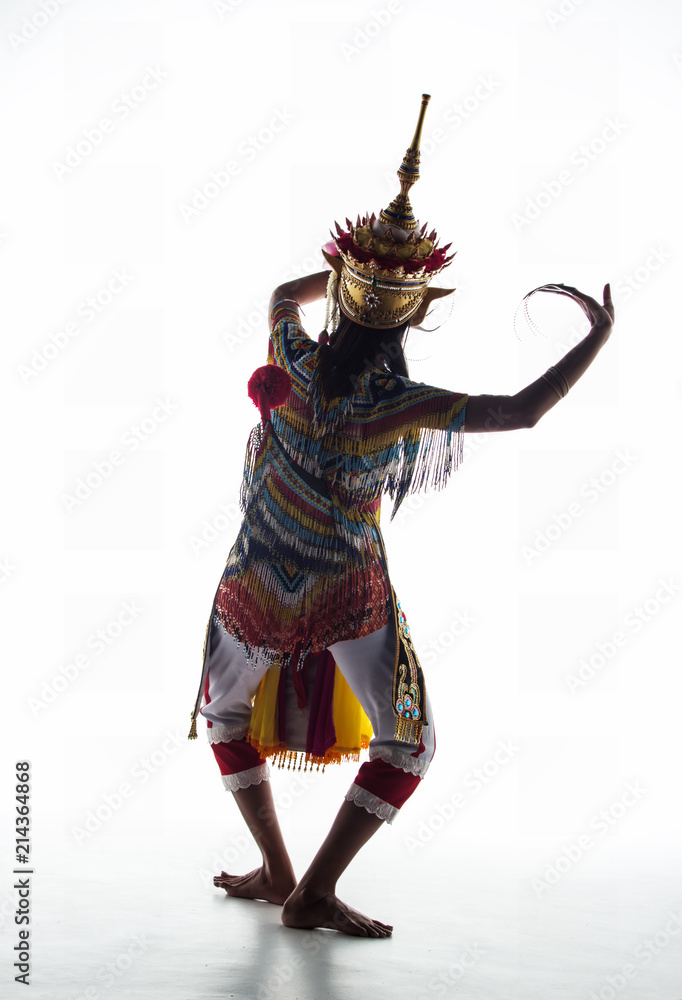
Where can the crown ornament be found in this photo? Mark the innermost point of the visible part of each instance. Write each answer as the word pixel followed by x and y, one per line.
pixel 383 265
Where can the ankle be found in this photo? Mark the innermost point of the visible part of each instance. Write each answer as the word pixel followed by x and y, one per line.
pixel 310 891
pixel 279 870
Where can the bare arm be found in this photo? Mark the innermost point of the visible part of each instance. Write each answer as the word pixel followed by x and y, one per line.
pixel 525 408
pixel 302 290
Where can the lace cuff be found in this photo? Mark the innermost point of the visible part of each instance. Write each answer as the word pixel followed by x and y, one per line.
pixel 400 758
pixel 223 734
pixel 242 779
pixel 372 803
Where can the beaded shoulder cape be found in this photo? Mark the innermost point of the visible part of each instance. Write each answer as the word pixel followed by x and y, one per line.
pixel 308 567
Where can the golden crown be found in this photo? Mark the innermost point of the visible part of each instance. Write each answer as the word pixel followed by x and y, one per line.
pixel 384 265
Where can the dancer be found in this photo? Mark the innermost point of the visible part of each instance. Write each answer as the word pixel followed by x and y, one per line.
pixel 308 657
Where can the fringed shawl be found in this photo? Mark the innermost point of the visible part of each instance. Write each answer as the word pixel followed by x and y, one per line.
pixel 392 435
pixel 308 567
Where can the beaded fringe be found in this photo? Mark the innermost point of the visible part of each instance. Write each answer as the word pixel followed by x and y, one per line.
pixel 340 548
pixel 408 731
pixel 404 458
pixel 296 760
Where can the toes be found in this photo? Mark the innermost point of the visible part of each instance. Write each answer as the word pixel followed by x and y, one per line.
pixel 228 881
pixel 376 929
pixel 224 878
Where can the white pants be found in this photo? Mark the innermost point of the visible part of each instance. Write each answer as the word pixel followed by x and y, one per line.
pixel 367 666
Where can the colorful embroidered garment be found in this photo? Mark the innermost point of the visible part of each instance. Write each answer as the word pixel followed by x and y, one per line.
pixel 308 567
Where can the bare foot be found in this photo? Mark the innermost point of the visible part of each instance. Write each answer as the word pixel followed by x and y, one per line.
pixel 256 885
pixel 304 908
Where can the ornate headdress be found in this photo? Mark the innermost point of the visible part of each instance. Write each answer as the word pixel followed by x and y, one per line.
pixel 383 265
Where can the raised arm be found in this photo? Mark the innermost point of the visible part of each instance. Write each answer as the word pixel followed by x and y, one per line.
pixel 509 413
pixel 302 290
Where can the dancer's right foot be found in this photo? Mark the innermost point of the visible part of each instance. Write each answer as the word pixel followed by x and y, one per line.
pixel 306 909
pixel 256 885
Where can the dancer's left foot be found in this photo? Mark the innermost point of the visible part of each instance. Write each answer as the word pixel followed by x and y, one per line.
pixel 256 885
pixel 307 909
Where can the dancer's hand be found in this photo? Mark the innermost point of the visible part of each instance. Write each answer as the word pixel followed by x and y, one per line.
pixel 600 316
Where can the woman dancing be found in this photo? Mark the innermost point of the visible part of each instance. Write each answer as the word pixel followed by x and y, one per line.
pixel 308 655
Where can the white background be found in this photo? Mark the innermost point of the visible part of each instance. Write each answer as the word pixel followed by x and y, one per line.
pixel 549 153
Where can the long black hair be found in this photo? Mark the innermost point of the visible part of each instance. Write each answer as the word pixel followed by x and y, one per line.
pixel 353 348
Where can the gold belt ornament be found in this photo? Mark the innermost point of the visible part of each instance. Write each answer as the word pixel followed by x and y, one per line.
pixel 408 696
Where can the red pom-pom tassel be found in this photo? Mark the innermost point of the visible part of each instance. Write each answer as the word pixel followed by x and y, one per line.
pixel 269 387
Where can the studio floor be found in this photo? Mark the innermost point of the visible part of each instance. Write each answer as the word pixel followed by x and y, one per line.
pixel 121 915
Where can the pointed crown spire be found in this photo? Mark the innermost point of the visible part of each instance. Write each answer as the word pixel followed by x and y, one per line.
pixel 399 213
pixel 384 265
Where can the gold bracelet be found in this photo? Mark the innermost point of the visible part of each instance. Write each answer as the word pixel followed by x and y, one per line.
pixel 549 382
pixel 557 380
pixel 563 381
